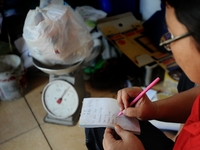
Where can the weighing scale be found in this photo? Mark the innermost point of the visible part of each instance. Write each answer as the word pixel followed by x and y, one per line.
pixel 62 97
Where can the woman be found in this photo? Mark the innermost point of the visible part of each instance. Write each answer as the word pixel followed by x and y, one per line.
pixel 183 21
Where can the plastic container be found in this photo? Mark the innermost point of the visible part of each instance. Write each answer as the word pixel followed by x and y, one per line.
pixel 13 81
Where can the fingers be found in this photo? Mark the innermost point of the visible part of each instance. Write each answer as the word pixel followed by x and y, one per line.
pixel 123 134
pixel 133 111
pixel 108 138
pixel 124 96
pixel 127 140
pixel 143 110
pixel 108 131
pixel 108 134
pixel 118 129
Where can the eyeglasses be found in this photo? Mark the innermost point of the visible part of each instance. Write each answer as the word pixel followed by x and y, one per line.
pixel 168 38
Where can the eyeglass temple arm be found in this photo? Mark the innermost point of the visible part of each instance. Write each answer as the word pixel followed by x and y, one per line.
pixel 174 39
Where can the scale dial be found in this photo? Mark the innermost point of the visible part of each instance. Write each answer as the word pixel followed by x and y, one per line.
pixel 60 99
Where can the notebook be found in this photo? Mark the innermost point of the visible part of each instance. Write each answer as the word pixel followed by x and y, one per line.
pixel 102 112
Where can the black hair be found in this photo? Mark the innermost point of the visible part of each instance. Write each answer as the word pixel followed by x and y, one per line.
pixel 188 13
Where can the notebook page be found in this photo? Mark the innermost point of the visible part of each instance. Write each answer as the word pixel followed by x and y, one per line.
pixel 99 112
pixel 102 112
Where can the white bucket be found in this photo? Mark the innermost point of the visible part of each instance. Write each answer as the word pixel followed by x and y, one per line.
pixel 13 81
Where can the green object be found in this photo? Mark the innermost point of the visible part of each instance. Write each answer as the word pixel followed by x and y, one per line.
pixel 93 69
pixel 90 23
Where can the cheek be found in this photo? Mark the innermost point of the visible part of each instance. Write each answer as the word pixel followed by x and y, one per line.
pixel 188 59
pixel 181 59
pixel 183 51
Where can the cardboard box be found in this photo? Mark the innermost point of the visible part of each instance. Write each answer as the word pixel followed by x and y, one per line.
pixel 126 33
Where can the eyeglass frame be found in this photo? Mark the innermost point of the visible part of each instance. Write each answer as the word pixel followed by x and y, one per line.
pixel 167 42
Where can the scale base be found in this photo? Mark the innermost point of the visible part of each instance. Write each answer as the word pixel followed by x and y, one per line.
pixel 71 121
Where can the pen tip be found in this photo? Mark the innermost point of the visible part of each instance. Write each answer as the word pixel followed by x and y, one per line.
pixel 120 113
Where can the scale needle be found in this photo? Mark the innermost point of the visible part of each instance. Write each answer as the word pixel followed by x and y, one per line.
pixel 60 99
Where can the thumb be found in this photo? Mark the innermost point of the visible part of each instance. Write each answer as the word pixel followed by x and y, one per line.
pixel 130 112
pixel 134 111
pixel 120 131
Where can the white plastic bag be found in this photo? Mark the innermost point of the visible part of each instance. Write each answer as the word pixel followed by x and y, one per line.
pixel 57 35
pixel 90 15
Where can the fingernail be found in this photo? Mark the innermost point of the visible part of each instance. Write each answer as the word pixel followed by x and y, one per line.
pixel 116 126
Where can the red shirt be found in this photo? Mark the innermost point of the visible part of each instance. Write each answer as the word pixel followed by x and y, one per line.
pixel 189 137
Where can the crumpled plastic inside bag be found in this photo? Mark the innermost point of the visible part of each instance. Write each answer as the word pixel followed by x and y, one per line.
pixel 56 34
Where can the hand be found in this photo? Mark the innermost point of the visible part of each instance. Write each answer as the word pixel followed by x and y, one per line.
pixel 144 109
pixel 127 141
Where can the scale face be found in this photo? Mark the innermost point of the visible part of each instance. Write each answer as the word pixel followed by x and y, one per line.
pixel 60 99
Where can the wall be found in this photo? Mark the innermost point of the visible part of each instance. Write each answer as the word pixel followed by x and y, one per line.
pixel 149 7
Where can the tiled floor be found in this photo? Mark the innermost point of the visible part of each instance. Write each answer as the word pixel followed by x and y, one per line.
pixel 22 126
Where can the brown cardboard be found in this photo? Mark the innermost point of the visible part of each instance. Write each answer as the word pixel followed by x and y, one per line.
pixel 126 33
